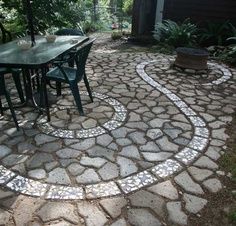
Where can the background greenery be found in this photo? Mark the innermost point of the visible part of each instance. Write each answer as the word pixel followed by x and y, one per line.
pixel 53 14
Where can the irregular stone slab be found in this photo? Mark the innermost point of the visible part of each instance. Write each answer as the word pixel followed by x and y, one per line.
pixel 58 176
pixel 14 159
pixel 165 189
pixel 38 159
pixel 51 147
pixel 43 138
pixel 213 185
pixel 154 133
pixel 186 182
pixel 55 210
pixel 166 145
pixel 199 174
pixel 157 123
pixel 176 215
pixel 89 176
pixel 4 217
pixel 4 150
pixel 25 209
pixel 98 151
pixel 146 199
pixel 95 162
pixel 121 132
pixel 109 171
pixel 123 141
pixel 150 147
pixel 67 153
pixel 205 162
pixel 130 151
pixel 127 166
pixel 5 194
pixel 193 203
pixel 114 206
pixel 84 144
pixel 37 174
pixel 89 123
pixel 120 222
pixel 93 216
pixel 160 156
pixel 75 169
pixel 104 140
pixel 137 137
pixel 141 217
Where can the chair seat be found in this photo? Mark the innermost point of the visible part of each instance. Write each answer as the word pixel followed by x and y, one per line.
pixel 4 70
pixel 56 74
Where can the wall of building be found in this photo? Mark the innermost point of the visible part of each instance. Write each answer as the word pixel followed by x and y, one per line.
pixel 200 10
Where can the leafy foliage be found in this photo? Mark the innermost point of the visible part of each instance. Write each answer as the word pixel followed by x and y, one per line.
pixel 91 14
pixel 216 33
pixel 175 34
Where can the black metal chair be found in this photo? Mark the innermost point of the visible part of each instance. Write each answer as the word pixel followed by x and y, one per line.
pixel 72 76
pixel 4 91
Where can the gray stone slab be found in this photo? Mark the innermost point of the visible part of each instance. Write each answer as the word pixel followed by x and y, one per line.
pixel 55 210
pixel 4 150
pixel 186 182
pixel 199 174
pixel 148 200
pixel 113 206
pixel 93 216
pixel 141 217
pixel 175 213
pixel 213 185
pixel 130 152
pixel 109 171
pixel 94 162
pixel 58 176
pixel 127 166
pixel 194 204
pixel 68 153
pixel 165 189
pixel 89 176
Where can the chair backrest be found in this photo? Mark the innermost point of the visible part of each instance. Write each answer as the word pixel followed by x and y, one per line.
pixel 81 57
pixel 69 31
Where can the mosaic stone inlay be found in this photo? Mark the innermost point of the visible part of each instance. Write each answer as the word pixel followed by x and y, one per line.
pixel 65 192
pixel 167 168
pixel 130 183
pixel 102 190
pixel 27 186
pixel 5 175
pixel 115 122
pixel 187 155
pixel 136 182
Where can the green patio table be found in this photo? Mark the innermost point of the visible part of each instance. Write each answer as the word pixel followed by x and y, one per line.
pixel 37 57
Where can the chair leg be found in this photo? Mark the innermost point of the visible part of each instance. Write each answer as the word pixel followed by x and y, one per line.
pixel 88 87
pixel 75 91
pixel 16 78
pixel 58 88
pixel 11 109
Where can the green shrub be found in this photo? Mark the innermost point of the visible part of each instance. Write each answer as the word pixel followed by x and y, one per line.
pixel 216 33
pixel 175 34
pixel 116 35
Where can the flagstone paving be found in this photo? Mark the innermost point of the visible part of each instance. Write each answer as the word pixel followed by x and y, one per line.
pixel 145 153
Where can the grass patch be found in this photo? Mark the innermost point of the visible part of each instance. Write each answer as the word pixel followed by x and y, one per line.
pixel 232 216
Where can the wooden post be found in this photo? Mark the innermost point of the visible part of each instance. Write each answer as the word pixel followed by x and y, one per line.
pixel 144 15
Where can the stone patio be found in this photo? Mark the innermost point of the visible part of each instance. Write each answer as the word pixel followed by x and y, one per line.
pixel 145 153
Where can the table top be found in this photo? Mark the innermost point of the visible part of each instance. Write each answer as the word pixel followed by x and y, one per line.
pixel 40 54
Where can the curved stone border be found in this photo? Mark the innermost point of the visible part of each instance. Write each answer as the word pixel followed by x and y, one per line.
pixel 116 121
pixel 225 71
pixel 129 184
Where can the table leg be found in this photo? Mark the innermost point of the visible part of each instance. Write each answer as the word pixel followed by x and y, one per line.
pixel 45 94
